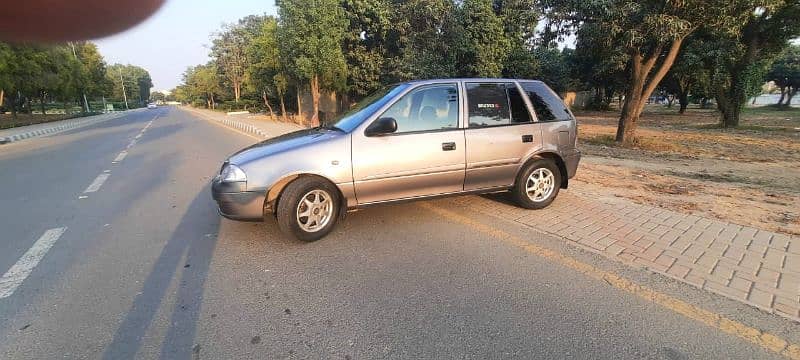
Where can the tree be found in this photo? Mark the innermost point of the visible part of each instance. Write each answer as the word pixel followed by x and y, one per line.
pixel 264 62
pixel 484 47
pixel 311 37
pixel 95 83
pixel 688 73
pixel 158 96
pixel 134 80
pixel 742 58
pixel 422 42
pixel 650 33
pixel 202 82
pixel 599 66
pixel 365 45
pixel 21 75
pixel 519 19
pixel 785 72
pixel 229 51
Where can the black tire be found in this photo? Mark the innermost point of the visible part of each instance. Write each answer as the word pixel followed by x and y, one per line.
pixel 520 193
pixel 289 202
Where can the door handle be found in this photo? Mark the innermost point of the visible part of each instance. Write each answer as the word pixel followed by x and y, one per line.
pixel 448 146
pixel 527 138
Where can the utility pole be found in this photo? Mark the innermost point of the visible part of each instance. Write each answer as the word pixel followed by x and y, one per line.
pixel 85 102
pixel 124 95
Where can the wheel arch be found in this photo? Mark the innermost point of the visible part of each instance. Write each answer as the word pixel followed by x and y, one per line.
pixel 276 190
pixel 562 167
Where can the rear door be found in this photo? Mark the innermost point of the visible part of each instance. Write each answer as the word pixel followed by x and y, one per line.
pixel 500 133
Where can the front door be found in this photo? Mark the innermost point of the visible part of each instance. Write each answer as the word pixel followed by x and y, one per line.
pixel 425 156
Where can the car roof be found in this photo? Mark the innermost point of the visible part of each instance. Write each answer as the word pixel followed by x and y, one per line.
pixel 444 80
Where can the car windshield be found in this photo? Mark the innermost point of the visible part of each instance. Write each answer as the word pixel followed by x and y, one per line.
pixel 359 112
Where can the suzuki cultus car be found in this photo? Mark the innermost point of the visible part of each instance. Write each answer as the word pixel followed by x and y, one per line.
pixel 408 141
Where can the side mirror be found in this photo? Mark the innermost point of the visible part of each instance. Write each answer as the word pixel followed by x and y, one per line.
pixel 382 126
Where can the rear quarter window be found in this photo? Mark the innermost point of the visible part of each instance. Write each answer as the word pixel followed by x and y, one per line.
pixel 546 103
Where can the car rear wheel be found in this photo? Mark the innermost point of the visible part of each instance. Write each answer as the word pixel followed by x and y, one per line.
pixel 308 208
pixel 537 184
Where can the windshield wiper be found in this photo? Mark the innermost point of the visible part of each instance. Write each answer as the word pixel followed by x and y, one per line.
pixel 331 127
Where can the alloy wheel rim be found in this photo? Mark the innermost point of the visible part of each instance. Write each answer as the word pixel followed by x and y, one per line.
pixel 314 210
pixel 540 185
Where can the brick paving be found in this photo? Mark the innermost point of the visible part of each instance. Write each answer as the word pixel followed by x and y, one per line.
pixel 750 265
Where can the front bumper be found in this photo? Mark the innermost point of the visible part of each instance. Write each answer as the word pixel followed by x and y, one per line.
pixel 571 161
pixel 237 204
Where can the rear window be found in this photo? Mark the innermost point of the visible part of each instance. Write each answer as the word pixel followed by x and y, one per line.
pixel 495 104
pixel 546 103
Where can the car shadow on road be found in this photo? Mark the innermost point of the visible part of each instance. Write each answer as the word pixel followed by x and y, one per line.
pixel 188 255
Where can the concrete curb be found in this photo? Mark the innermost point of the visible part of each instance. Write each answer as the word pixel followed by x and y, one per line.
pixel 238 125
pixel 250 129
pixel 65 125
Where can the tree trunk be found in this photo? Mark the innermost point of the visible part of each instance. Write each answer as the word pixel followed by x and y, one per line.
pixel 266 102
pixel 236 91
pixel 729 109
pixel 41 104
pixel 626 130
pixel 283 109
pixel 683 100
pixel 789 95
pixel 315 100
pixel 670 100
pixel 2 96
pixel 641 86
pixel 783 95
pixel 299 117
pixel 13 101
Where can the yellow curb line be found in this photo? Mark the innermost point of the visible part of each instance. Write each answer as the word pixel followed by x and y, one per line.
pixel 765 340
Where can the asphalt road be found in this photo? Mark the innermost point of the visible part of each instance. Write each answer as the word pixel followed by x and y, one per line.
pixel 146 269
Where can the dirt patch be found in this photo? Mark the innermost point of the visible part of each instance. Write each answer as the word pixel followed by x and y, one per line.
pixel 746 176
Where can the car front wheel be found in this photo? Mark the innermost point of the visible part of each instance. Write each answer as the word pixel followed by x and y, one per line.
pixel 537 184
pixel 308 208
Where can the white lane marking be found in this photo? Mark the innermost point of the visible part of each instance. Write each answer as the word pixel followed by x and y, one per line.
pixel 14 277
pixel 97 183
pixel 82 197
pixel 121 156
pixel 131 144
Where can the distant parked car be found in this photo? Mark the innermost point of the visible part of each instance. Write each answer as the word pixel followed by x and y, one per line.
pixel 152 106
pixel 409 141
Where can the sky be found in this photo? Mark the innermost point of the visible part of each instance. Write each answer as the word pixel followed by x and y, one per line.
pixel 177 36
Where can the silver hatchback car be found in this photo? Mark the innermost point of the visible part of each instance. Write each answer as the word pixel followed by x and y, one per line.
pixel 408 141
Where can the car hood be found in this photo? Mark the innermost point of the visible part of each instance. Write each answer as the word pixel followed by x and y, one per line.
pixel 286 142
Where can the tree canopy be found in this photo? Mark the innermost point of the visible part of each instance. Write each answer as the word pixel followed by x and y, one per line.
pixel 70 73
pixel 624 49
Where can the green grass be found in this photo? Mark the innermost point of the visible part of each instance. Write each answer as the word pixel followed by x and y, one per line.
pixel 772 111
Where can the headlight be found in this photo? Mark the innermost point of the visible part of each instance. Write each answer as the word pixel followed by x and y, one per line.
pixel 232 173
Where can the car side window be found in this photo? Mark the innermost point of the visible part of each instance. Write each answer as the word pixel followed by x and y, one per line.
pixel 546 103
pixel 494 104
pixel 427 108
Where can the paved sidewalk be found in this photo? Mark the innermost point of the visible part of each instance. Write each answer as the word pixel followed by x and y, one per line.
pixel 754 266
pixel 258 125
pixel 49 128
